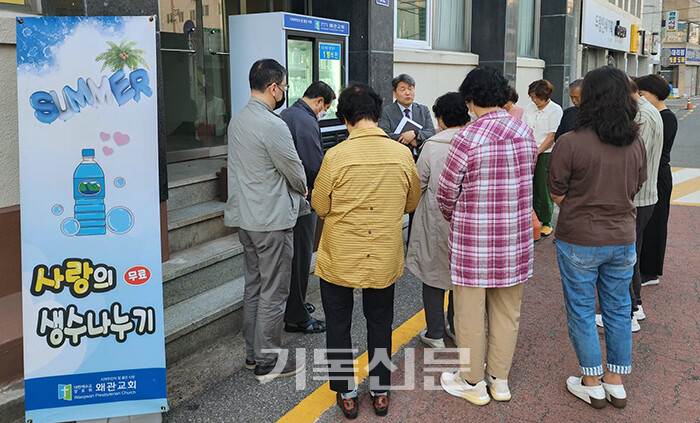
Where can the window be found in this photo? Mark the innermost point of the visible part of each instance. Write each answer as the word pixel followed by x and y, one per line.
pixel 451 17
pixel 206 10
pixel 412 19
pixel 192 15
pixel 528 28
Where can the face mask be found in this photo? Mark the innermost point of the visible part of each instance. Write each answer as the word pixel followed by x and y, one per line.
pixel 280 103
pixel 322 114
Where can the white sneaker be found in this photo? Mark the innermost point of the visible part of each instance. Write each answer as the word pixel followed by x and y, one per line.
pixel 453 384
pixel 639 314
pixel 651 282
pixel 635 325
pixel 615 394
pixel 498 388
pixel 594 395
pixel 599 320
pixel 431 342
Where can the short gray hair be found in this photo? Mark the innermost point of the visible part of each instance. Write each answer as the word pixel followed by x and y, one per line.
pixel 402 78
pixel 576 84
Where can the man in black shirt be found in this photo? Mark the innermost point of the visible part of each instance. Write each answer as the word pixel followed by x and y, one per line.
pixel 569 116
pixel 302 118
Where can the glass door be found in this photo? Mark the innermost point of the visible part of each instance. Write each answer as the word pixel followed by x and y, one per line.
pixel 194 49
pixel 300 67
pixel 330 70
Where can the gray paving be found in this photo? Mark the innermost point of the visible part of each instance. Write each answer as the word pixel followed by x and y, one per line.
pixel 213 386
pixel 686 148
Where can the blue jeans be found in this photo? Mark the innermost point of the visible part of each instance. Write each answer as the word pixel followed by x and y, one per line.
pixel 609 269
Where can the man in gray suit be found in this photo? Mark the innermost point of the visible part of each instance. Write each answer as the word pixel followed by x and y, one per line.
pixel 267 190
pixel 404 88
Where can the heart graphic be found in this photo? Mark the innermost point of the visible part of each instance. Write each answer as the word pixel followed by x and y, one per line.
pixel 108 151
pixel 105 136
pixel 121 139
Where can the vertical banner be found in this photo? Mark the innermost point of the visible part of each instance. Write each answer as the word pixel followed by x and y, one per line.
pixel 671 21
pixel 92 294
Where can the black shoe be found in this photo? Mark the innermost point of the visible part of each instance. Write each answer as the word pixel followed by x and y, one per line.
pixel 310 308
pixel 349 406
pixel 265 373
pixel 310 326
pixel 249 364
pixel 380 403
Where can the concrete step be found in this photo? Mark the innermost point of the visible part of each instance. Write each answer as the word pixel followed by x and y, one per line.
pixel 196 224
pixel 198 269
pixel 12 403
pixel 197 321
pixel 193 182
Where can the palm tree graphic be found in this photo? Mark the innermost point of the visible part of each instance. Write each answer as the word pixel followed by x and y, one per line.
pixel 118 57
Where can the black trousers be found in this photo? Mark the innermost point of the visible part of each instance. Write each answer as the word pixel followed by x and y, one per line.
pixel 651 261
pixel 378 308
pixel 304 232
pixel 643 216
pixel 434 304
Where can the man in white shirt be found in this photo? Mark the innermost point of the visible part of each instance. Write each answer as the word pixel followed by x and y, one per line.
pixel 543 116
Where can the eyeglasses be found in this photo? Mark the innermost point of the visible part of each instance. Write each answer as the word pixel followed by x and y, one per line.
pixel 283 87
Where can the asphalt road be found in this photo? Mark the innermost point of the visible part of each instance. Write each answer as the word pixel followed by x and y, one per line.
pixel 686 148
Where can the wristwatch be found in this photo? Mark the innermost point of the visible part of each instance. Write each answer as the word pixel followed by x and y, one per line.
pixel 415 131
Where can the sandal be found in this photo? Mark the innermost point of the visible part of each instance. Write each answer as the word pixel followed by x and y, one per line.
pixel 310 326
pixel 310 308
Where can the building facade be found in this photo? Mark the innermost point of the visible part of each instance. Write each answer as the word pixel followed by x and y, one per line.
pixel 680 49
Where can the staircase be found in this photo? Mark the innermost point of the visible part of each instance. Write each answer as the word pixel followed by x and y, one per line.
pixel 203 279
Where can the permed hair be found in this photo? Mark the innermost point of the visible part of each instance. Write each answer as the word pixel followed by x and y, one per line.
pixel 359 101
pixel 607 106
pixel 452 109
pixel 485 87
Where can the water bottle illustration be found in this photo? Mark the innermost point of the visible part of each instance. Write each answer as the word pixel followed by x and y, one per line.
pixel 89 195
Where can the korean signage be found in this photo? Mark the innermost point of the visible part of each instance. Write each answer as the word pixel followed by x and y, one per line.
pixel 603 27
pixel 671 21
pixel 673 56
pixel 383 2
pixel 311 24
pixel 92 295
pixel 328 51
pixel 692 56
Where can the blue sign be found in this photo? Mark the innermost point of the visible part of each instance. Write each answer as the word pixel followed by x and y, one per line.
pixel 92 278
pixel 328 51
pixel 677 56
pixel 383 2
pixel 311 24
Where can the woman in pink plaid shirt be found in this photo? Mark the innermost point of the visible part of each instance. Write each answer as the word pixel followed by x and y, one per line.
pixel 485 193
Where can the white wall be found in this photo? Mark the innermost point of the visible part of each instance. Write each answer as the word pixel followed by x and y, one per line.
pixel 9 147
pixel 528 70
pixel 435 72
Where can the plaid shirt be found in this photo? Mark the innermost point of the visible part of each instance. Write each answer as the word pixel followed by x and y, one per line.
pixel 485 193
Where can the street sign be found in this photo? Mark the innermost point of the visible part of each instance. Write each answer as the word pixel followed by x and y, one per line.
pixel 671 21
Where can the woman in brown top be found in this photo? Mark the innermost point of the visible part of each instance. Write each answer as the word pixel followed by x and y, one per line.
pixel 594 173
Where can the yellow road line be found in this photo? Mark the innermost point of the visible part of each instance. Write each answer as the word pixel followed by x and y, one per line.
pixel 685 188
pixel 319 401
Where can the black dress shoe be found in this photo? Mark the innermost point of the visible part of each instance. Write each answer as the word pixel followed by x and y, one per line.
pixel 310 326
pixel 349 406
pixel 310 308
pixel 266 373
pixel 249 364
pixel 380 403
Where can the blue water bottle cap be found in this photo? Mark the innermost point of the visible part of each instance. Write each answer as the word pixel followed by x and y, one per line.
pixel 88 152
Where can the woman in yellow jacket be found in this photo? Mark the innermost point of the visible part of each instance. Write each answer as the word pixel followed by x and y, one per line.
pixel 365 186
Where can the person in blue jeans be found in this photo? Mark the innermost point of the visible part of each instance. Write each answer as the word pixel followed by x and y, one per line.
pixel 594 173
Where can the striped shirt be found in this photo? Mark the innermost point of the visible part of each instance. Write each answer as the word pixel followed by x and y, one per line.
pixel 651 129
pixel 365 186
pixel 485 192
